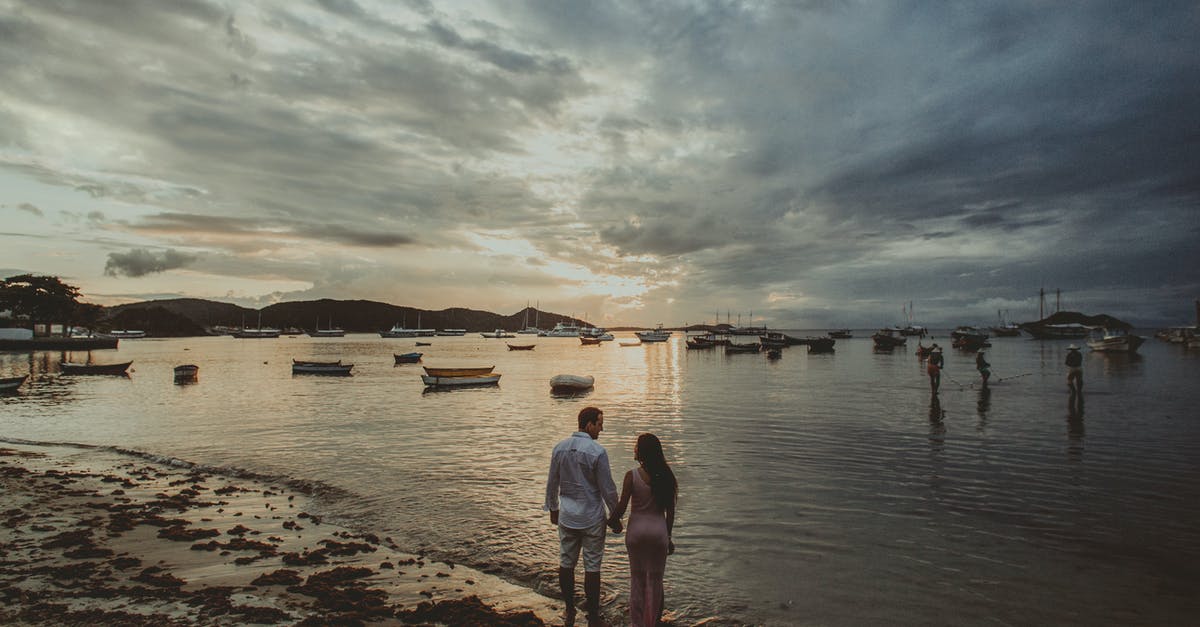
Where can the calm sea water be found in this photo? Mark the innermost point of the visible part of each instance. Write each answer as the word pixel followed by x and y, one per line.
pixel 816 489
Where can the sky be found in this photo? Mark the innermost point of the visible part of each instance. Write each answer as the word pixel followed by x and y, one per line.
pixel 800 164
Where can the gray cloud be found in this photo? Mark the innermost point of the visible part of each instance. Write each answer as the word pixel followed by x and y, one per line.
pixel 30 208
pixel 140 262
pixel 796 158
pixel 193 225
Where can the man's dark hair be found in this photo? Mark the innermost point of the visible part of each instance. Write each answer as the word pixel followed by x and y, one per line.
pixel 588 415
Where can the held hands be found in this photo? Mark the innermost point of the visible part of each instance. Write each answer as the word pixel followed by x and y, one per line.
pixel 615 525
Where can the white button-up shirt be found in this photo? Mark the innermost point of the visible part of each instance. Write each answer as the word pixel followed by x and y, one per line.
pixel 579 478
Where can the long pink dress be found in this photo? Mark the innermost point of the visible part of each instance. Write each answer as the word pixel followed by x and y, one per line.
pixel 646 539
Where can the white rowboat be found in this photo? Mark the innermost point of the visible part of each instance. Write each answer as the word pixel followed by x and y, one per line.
pixel 487 379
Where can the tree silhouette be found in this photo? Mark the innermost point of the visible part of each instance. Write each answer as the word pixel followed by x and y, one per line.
pixel 45 299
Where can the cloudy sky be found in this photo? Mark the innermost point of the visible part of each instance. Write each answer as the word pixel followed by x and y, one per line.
pixel 817 163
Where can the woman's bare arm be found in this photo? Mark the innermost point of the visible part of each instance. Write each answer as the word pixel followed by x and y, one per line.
pixel 626 493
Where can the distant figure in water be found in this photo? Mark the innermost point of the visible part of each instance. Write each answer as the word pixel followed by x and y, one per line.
pixel 578 488
pixel 653 489
pixel 1074 370
pixel 983 366
pixel 935 367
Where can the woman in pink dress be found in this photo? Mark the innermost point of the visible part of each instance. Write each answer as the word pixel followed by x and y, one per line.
pixel 652 487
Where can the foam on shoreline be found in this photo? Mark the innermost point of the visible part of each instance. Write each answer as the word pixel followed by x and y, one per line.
pixel 103 535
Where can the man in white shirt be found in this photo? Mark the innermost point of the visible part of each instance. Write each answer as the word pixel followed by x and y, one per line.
pixel 578 488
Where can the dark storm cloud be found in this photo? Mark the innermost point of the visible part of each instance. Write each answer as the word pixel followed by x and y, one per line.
pixel 1056 126
pixel 140 262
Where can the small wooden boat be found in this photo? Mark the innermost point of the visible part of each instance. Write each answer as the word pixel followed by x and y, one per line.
pixel 10 384
pixel 589 341
pixel 734 347
pixel 698 344
pixel 481 379
pixel 571 383
pixel 840 334
pixel 521 347
pixel 446 373
pixel 186 372
pixel 74 368
pixel 422 344
pixel 331 368
pixel 301 362
pixel 408 358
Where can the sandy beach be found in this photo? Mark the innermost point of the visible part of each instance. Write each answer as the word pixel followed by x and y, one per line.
pixel 98 537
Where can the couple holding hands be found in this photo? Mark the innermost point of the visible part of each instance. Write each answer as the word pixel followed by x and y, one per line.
pixel 578 490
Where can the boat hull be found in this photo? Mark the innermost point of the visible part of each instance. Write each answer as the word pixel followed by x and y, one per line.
pixel 333 370
pixel 446 373
pixel 10 384
pixel 1123 344
pixel 887 341
pixel 821 344
pixel 521 347
pixel 1056 331
pixel 59 343
pixel 257 334
pixel 485 379
pixel 408 358
pixel 110 369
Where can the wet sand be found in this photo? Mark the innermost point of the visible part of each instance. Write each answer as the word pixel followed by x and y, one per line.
pixel 93 536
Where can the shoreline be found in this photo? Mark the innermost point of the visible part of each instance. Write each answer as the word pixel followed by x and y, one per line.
pixel 104 537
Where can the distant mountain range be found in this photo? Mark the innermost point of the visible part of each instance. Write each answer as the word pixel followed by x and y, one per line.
pixel 181 317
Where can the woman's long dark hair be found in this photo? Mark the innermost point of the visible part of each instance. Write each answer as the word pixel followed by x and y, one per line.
pixel 662 481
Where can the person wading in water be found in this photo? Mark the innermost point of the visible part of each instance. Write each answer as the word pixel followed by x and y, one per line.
pixel 934 368
pixel 983 366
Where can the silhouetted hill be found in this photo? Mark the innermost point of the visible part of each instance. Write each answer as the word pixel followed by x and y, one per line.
pixel 206 313
pixel 156 322
pixel 1074 317
pixel 355 316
